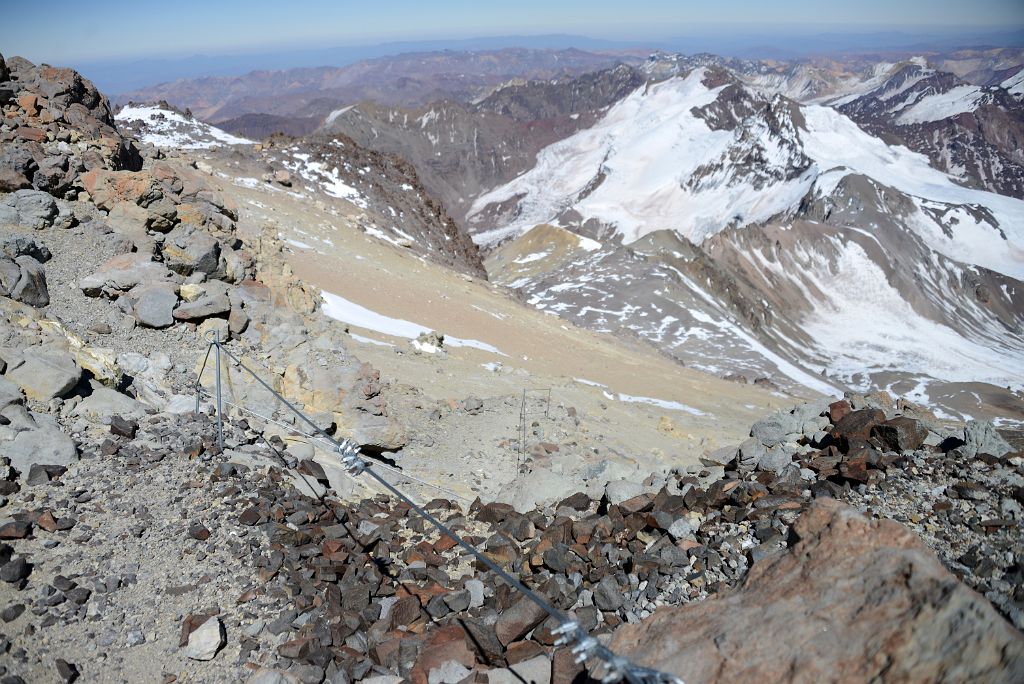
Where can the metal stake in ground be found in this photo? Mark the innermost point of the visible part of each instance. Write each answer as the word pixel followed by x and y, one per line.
pixel 220 405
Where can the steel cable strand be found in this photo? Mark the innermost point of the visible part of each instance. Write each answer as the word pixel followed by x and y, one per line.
pixel 587 647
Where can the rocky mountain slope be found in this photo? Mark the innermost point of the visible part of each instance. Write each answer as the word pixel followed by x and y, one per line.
pixel 611 481
pixel 463 149
pixel 751 236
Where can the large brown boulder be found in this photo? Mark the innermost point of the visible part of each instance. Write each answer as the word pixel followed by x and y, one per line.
pixel 856 600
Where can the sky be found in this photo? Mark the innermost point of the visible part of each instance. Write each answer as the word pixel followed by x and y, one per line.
pixel 60 31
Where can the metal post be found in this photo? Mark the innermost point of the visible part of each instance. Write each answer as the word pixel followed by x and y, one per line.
pixel 522 432
pixel 220 407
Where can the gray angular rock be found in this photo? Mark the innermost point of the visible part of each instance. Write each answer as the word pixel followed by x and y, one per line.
pixel 607 594
pixel 476 592
pixel 31 286
pixel 10 274
pixel 188 250
pixel 980 437
pixel 772 430
pixel 618 491
pixel 750 454
pixel 45 445
pixel 15 246
pixel 10 393
pixel 105 402
pixel 681 528
pixel 32 208
pixel 775 460
pixel 45 375
pixel 209 305
pixel 153 305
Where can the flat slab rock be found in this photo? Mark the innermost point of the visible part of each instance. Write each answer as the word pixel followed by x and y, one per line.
pixel 856 600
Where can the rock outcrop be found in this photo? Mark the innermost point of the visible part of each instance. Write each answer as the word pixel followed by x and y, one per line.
pixel 56 126
pixel 855 600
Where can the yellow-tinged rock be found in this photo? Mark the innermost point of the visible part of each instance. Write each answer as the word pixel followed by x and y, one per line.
pixel 191 292
pixel 101 362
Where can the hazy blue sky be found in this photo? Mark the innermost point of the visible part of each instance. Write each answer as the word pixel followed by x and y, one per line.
pixel 63 31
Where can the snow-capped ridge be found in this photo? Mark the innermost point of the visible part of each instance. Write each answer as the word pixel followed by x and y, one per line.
pixel 169 128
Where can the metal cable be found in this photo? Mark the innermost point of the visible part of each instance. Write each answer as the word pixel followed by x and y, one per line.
pixel 292 428
pixel 586 648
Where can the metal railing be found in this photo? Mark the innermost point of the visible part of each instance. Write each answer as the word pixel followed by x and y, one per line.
pixel 586 648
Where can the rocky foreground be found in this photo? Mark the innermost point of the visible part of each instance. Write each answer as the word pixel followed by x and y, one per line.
pixel 133 548
pixel 156 555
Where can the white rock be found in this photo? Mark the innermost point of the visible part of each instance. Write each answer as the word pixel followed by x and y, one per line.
pixel 476 592
pixel 533 671
pixel 204 643
pixel 265 676
pixel 450 672
pixel 623 490
pixel 106 402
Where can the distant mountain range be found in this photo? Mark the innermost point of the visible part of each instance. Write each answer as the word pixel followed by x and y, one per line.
pixel 116 77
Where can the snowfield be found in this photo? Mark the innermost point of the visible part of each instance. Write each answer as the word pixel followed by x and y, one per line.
pixel 940 106
pixel 643 154
pixel 346 311
pixel 169 129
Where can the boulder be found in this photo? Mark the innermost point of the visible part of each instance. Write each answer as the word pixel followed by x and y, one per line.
pixel 750 453
pixel 31 208
pixel 188 250
pixel 153 305
pixel 206 640
pixel 45 445
pixel 132 221
pixel 980 437
pixel 858 424
pixel 15 246
pixel 775 460
pixel 45 375
pixel 622 490
pixel 516 621
pixel 855 600
pixel 105 402
pixel 772 430
pixel 214 304
pixel 31 286
pixel 9 393
pixel 17 167
pixel 900 434
pixel 125 271
pixel 108 188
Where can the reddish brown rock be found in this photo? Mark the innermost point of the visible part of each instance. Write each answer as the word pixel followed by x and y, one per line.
pixel 514 622
pixel 440 646
pixel 28 102
pixel 856 600
pixel 900 434
pixel 47 522
pixel 33 134
pixel 15 529
pixel 838 410
pixel 858 424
